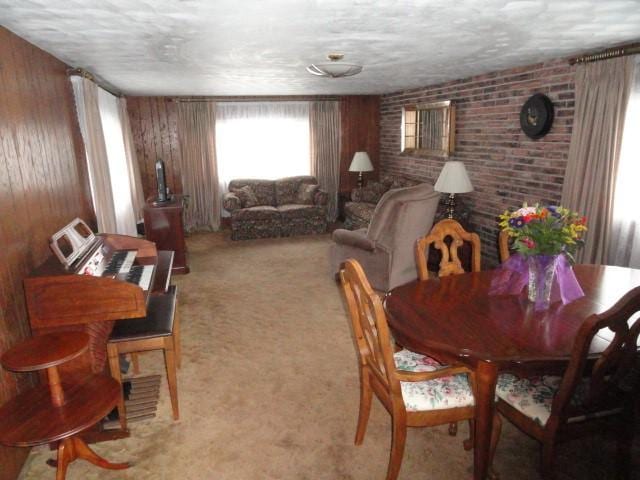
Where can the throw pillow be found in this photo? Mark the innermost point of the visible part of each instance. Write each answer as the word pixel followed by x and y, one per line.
pixel 246 195
pixel 306 194
pixel 373 192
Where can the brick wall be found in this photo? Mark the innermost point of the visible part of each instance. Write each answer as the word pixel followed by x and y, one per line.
pixel 506 167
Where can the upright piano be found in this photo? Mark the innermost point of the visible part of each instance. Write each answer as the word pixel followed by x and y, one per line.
pixel 91 281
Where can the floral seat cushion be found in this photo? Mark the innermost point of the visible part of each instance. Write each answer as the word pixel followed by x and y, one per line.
pixel 447 392
pixel 533 397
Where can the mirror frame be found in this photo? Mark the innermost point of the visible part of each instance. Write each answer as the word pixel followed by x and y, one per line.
pixel 449 126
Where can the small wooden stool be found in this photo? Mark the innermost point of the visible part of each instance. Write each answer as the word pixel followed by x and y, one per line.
pixel 158 330
pixel 56 412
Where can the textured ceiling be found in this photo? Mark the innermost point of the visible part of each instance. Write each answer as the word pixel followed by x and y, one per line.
pixel 253 47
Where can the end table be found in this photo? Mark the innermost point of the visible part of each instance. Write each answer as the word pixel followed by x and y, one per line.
pixel 57 411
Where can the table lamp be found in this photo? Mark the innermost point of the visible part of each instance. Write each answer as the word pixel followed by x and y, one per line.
pixel 360 163
pixel 453 179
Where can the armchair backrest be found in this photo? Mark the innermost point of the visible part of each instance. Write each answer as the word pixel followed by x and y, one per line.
pixel 602 384
pixel 400 218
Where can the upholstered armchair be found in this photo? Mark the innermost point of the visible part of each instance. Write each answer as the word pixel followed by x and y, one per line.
pixel 386 248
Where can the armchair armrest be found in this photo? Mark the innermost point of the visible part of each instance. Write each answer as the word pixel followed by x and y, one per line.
pixel 355 238
pixel 320 198
pixel 231 202
pixel 405 376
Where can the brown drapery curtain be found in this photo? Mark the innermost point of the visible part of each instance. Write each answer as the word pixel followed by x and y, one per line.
pixel 135 181
pixel 602 92
pixel 88 110
pixel 324 127
pixel 196 132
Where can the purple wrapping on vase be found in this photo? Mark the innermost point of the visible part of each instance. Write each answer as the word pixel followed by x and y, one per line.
pixel 513 275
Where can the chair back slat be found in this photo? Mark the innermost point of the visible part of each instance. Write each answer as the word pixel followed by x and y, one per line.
pixel 450 263
pixel 603 382
pixel 503 245
pixel 369 324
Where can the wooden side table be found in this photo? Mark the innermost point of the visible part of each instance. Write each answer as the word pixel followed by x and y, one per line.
pixel 58 411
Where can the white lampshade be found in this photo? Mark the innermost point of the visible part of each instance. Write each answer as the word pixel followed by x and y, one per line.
pixel 361 163
pixel 453 179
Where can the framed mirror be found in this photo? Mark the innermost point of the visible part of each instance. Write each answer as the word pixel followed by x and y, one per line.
pixel 429 128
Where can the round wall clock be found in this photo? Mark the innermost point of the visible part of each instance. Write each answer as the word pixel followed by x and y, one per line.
pixel 536 116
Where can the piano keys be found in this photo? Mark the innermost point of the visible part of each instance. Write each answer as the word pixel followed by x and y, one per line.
pixel 91 281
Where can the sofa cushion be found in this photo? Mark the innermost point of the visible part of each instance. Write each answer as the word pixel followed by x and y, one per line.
pixel 306 194
pixel 261 212
pixel 372 193
pixel 263 189
pixel 393 181
pixel 297 211
pixel 361 210
pixel 247 196
pixel 286 189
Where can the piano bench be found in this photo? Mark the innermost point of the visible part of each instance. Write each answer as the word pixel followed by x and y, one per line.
pixel 160 329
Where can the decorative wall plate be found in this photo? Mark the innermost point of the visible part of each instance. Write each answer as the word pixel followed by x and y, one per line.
pixel 536 116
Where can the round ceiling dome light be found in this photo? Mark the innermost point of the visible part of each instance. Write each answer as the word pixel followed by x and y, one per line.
pixel 335 69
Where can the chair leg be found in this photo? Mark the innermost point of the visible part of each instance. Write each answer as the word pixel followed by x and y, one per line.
pixel 135 363
pixel 548 453
pixel 469 442
pixel 114 367
pixel 366 395
pixel 172 380
pixel 623 445
pixel 176 338
pixel 398 438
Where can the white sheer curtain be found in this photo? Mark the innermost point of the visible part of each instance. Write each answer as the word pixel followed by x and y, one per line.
pixel 100 116
pixel 625 248
pixel 262 140
pixel 88 111
pixel 118 166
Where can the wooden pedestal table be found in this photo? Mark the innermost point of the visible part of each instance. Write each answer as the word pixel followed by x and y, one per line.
pixel 56 412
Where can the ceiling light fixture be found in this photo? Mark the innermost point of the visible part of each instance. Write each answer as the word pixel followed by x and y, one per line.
pixel 335 69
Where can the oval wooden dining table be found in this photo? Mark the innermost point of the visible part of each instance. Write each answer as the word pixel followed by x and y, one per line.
pixel 456 320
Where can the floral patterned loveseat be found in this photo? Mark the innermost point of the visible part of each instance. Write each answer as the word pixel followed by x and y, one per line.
pixel 364 200
pixel 276 208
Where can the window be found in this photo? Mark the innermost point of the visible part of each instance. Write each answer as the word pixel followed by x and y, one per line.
pixel 626 215
pixel 429 128
pixel 262 140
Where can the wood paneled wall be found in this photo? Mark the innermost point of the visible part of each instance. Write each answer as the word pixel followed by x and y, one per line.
pixel 43 186
pixel 154 126
pixel 360 119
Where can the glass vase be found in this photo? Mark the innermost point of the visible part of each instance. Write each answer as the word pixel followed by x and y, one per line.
pixel 542 270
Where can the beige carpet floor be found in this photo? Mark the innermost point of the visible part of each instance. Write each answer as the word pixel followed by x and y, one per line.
pixel 269 386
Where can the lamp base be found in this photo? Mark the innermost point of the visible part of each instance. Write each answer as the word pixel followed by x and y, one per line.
pixel 360 180
pixel 451 205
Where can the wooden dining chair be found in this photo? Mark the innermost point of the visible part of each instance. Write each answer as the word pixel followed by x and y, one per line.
pixel 447 236
pixel 593 394
pixel 416 390
pixel 450 264
pixel 504 242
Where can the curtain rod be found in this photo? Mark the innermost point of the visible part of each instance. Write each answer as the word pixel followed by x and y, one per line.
pixel 606 54
pixel 252 99
pixel 81 72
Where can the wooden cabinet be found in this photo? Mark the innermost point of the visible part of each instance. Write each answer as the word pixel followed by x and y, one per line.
pixel 164 225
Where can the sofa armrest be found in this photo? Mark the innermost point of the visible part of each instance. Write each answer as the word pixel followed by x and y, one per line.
pixel 354 238
pixel 231 202
pixel 320 198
